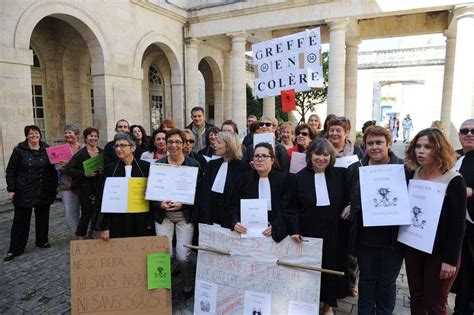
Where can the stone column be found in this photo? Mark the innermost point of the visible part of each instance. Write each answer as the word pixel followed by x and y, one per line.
pixel 448 79
pixel 350 98
pixel 269 106
pixel 337 38
pixel 178 111
pixel 192 82
pixel 227 86
pixel 463 75
pixel 239 107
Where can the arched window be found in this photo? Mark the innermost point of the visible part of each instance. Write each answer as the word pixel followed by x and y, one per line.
pixel 156 97
pixel 38 88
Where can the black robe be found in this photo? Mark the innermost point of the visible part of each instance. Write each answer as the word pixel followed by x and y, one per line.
pixel 216 207
pixel 124 224
pixel 248 189
pixel 303 217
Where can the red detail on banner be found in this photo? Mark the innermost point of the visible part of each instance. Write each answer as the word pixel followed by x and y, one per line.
pixel 288 100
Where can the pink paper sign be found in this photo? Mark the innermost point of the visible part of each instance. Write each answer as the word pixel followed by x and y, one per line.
pixel 59 153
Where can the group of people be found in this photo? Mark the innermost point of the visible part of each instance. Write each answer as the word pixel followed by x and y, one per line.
pixel 231 170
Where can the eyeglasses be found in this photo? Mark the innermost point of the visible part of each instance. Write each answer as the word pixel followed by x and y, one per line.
pixel 121 146
pixel 171 142
pixel 266 124
pixel 261 157
pixel 303 133
pixel 189 141
pixel 466 131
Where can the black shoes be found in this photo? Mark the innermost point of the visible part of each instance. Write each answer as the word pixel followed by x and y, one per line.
pixel 45 245
pixel 9 257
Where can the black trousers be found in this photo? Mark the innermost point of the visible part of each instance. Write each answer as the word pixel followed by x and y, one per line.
pixel 464 303
pixel 88 208
pixel 21 227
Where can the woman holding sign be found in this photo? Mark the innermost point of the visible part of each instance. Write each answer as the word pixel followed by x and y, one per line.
pixel 86 180
pixel 31 183
pixel 312 206
pixel 114 225
pixel 379 254
pixel 430 276
pixel 220 181
pixel 263 182
pixel 171 215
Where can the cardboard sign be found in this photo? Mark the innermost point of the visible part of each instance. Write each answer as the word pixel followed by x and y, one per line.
pixel 249 279
pixel 59 153
pixel 111 277
pixel 288 62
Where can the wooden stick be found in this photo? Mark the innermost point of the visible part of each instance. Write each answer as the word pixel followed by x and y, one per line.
pixel 289 264
pixel 209 249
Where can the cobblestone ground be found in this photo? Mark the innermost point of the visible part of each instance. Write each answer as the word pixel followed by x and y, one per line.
pixel 38 281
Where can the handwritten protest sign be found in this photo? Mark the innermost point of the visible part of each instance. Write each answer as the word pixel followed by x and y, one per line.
pixel 384 195
pixel 59 153
pixel 93 164
pixel 250 276
pixel 169 182
pixel 159 271
pixel 124 194
pixel 426 200
pixel 111 277
pixel 288 62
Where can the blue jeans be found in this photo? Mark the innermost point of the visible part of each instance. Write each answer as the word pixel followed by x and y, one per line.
pixel 379 269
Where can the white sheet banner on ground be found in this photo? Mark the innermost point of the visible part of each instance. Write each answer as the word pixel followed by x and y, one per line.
pixel 288 62
pixel 426 201
pixel 250 277
pixel 384 195
pixel 168 182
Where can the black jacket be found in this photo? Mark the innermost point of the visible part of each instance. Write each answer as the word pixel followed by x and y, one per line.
pixel 216 207
pixel 31 177
pixel 75 169
pixel 467 171
pixel 110 157
pixel 188 210
pixel 248 189
pixel 381 234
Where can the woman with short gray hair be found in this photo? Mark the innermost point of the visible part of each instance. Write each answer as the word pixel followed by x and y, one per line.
pixel 69 195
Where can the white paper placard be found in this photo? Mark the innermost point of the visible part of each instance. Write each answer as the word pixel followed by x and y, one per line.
pixel 426 201
pixel 257 303
pixel 298 162
pixel 115 197
pixel 384 195
pixel 302 308
pixel 267 137
pixel 346 161
pixel 252 266
pixel 205 298
pixel 169 182
pixel 151 161
pixel 210 158
pixel 254 216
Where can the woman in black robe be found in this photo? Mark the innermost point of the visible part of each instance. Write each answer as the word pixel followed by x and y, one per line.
pixel 220 181
pixel 263 182
pixel 308 213
pixel 114 225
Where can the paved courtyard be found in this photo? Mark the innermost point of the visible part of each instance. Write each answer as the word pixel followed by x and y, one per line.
pixel 38 281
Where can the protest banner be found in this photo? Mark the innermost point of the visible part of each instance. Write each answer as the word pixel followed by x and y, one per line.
pixel 93 164
pixel 111 277
pixel 288 62
pixel 250 277
pixel 426 201
pixel 124 194
pixel 170 182
pixel 59 153
pixel 384 195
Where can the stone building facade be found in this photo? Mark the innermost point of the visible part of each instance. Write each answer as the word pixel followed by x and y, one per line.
pixel 94 62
